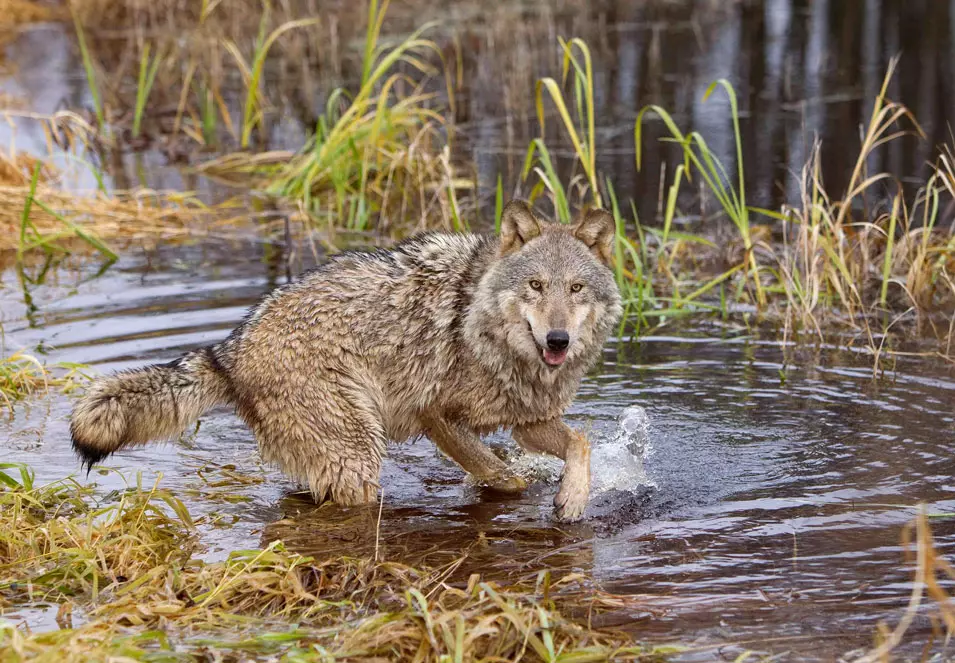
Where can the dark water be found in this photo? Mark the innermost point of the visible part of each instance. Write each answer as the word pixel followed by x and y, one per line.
pixel 803 69
pixel 770 514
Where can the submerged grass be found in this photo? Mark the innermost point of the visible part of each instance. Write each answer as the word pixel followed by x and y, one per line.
pixel 22 375
pixel 128 563
pixel 933 577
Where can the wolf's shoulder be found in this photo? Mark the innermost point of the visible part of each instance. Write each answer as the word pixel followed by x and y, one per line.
pixel 449 258
pixel 434 245
pixel 427 254
pixel 429 251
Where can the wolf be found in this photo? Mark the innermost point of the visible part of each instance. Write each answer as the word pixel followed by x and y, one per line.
pixel 447 335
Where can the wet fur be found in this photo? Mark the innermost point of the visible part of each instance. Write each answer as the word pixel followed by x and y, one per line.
pixel 440 336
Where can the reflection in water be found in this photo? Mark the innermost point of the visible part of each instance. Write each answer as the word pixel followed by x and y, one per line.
pixel 777 16
pixel 774 513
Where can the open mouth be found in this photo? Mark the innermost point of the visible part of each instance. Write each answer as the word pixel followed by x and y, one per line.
pixel 554 357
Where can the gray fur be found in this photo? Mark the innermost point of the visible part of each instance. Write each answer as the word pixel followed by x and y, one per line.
pixel 442 335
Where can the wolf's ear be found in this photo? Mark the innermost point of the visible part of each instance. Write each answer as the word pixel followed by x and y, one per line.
pixel 596 229
pixel 518 226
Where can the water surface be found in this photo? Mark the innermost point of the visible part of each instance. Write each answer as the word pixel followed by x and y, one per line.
pixel 776 488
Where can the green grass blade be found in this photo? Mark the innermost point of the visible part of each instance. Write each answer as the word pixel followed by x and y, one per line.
pixel 90 72
pixel 889 246
pixel 498 205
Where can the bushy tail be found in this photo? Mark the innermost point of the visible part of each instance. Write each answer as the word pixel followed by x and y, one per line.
pixel 133 407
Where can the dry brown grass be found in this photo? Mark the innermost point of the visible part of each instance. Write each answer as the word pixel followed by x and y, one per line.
pixel 124 216
pixel 18 12
pixel 129 565
pixel 843 262
pixel 37 214
pixel 125 566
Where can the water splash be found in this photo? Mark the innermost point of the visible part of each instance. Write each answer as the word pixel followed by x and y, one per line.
pixel 620 462
pixel 617 462
pixel 536 468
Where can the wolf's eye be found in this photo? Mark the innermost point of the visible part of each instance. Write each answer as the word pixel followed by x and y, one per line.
pixel 536 285
pixel 577 287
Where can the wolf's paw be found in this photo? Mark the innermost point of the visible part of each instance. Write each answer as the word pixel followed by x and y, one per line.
pixel 505 483
pixel 570 504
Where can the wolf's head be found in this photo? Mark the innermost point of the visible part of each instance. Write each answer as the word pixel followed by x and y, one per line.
pixel 550 296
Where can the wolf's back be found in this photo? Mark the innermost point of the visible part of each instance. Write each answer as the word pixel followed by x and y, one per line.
pixel 131 408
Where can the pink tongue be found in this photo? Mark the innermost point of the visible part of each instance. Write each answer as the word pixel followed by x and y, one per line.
pixel 555 357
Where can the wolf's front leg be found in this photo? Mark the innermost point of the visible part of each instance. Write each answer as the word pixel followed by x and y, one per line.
pixel 468 451
pixel 556 438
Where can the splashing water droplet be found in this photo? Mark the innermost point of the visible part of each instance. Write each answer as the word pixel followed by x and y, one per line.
pixel 616 463
pixel 537 467
pixel 619 463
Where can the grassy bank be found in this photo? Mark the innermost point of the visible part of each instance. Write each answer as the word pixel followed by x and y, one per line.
pixel 124 573
pixel 123 576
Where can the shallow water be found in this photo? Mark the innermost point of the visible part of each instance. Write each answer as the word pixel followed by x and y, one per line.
pixel 770 511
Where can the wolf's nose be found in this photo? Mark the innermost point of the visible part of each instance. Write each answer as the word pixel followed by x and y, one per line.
pixel 557 339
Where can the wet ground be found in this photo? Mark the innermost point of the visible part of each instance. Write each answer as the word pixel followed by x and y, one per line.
pixel 777 481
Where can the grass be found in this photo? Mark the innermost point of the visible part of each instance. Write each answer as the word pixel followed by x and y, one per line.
pixel 699 159
pixel 32 237
pixel 375 156
pixel 91 79
pixel 253 114
pixel 44 218
pixel 876 269
pixel 126 575
pixel 579 124
pixel 584 139
pixel 148 68
pixel 39 216
pixel 378 157
pixel 23 375
pixel 831 270
pixel 931 570
pixel 192 70
pixel 128 562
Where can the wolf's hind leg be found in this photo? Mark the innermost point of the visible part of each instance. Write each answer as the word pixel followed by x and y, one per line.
pixel 325 441
pixel 556 438
pixel 468 451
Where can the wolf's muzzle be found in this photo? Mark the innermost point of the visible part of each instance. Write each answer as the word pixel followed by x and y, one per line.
pixel 558 339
